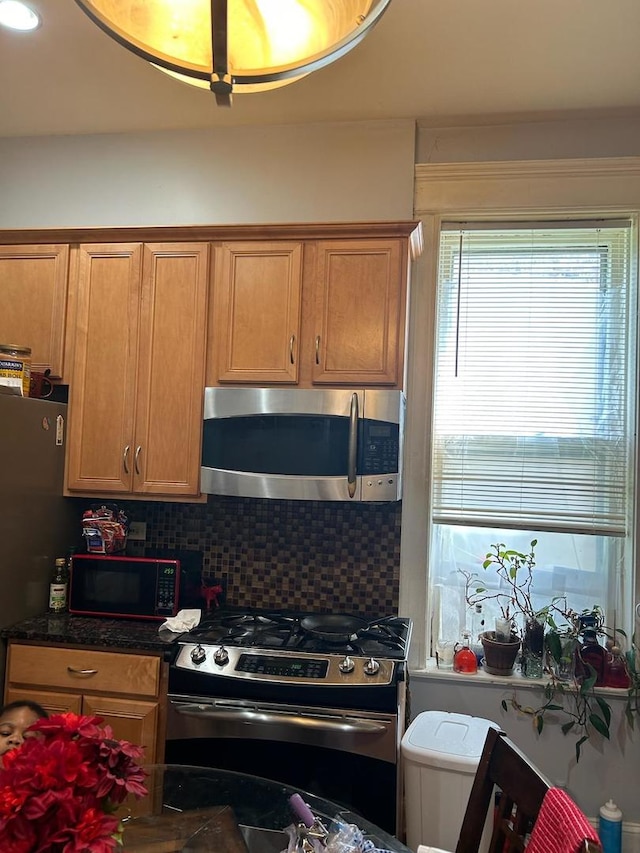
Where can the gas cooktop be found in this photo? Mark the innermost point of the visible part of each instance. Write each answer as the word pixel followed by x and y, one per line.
pixel 316 633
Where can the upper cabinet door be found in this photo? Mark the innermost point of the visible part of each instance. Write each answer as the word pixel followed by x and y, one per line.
pixel 33 302
pixel 105 313
pixel 171 360
pixel 256 312
pixel 359 318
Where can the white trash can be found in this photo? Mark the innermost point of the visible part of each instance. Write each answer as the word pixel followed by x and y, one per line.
pixel 440 754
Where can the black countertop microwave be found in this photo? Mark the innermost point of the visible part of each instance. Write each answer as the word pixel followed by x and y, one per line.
pixel 133 587
pixel 303 444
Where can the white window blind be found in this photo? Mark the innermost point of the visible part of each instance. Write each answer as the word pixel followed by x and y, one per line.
pixel 532 420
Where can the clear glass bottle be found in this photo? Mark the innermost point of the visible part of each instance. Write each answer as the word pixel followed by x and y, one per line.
pixel 58 587
pixel 477 628
pixel 465 659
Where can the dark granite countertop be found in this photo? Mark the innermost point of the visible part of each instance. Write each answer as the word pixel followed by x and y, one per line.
pixel 138 634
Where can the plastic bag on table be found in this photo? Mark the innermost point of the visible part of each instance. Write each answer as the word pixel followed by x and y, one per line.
pixel 341 838
pixel 311 836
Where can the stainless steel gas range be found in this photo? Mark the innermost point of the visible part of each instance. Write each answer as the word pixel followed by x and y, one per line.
pixel 316 701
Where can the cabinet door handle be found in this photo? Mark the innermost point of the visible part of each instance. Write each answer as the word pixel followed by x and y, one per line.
pixel 73 671
pixel 136 457
pixel 292 341
pixel 317 349
pixel 125 459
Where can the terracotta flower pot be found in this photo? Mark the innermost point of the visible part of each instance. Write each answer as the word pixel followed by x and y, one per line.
pixel 499 657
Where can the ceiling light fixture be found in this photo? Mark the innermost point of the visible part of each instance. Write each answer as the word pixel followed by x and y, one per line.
pixel 18 16
pixel 237 45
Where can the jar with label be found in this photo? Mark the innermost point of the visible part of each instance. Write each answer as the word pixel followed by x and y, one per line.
pixel 58 587
pixel 15 367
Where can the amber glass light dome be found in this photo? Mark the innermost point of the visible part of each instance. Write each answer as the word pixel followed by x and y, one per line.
pixel 237 45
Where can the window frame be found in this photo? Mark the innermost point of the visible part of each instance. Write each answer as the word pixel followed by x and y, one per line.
pixel 499 191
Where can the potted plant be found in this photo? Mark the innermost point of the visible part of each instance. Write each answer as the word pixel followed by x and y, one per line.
pixel 561 642
pixel 514 570
pixel 499 654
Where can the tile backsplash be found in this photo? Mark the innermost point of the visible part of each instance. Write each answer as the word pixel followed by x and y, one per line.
pixel 310 555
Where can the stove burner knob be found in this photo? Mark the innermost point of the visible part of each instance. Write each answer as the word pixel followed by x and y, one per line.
pixel 347 665
pixel 371 667
pixel 221 656
pixel 198 654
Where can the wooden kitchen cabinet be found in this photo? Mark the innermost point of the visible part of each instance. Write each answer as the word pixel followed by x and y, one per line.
pixel 137 377
pixel 33 302
pixel 314 312
pixel 359 313
pixel 257 311
pixel 127 690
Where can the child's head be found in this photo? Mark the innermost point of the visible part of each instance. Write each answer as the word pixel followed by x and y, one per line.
pixel 15 718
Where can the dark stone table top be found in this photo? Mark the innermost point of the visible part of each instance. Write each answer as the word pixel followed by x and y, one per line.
pixel 138 634
pixel 260 805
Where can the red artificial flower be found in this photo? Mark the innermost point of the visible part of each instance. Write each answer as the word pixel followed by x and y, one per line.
pixel 59 790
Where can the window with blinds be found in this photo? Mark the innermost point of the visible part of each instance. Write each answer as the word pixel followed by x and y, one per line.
pixel 533 420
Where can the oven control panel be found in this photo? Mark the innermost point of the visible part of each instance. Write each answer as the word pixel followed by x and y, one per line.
pixel 284 667
pixel 291 667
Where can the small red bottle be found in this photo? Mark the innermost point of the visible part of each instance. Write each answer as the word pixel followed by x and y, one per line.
pixel 594 654
pixel 465 659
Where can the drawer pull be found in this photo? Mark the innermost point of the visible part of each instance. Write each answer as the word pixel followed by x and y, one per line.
pixel 73 671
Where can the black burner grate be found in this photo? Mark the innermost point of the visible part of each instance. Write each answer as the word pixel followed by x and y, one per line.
pixel 385 637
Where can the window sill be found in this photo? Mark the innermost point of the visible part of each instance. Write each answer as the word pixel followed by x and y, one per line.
pixel 484 679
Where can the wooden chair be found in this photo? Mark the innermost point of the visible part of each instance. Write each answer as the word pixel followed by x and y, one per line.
pixel 522 788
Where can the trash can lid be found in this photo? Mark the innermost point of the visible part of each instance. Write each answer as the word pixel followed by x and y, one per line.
pixel 447 740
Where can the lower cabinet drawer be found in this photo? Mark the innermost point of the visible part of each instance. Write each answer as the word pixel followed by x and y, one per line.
pixel 84 670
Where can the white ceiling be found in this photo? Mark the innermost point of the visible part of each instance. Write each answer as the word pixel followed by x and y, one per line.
pixel 441 61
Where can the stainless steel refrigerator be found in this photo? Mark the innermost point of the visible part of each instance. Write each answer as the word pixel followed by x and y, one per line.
pixel 36 523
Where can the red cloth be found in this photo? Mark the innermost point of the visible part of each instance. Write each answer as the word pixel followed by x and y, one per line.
pixel 560 827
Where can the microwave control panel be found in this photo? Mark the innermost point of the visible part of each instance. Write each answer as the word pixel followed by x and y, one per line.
pixel 166 589
pixel 380 448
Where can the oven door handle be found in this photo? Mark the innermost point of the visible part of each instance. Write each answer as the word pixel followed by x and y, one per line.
pixel 246 715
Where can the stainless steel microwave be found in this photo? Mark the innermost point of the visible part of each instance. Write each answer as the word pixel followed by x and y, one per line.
pixel 128 587
pixel 303 444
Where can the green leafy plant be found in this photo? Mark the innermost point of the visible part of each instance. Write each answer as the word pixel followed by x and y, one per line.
pixel 574 705
pixel 568 700
pixel 573 701
pixel 514 570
